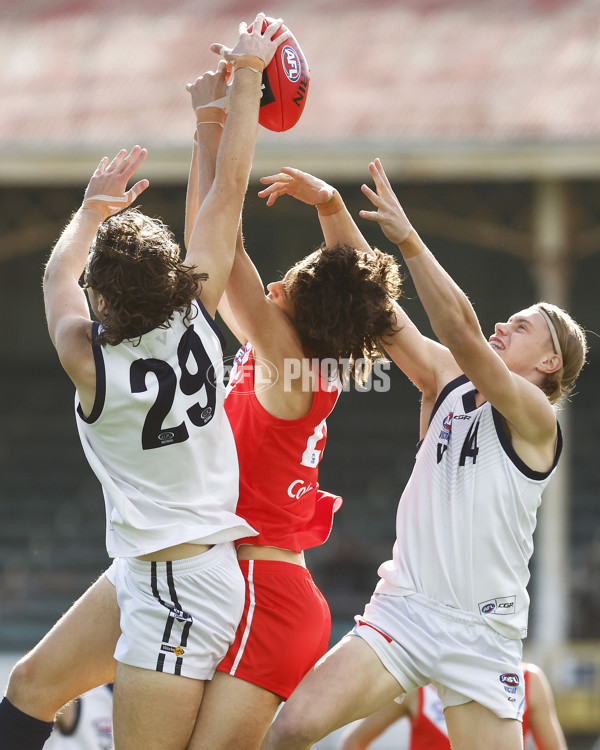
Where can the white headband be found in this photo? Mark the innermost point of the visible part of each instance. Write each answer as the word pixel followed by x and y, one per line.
pixel 552 330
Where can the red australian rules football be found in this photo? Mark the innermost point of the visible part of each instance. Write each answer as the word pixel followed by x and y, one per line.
pixel 284 84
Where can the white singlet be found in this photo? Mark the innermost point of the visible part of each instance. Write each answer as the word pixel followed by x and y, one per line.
pixel 465 521
pixel 159 441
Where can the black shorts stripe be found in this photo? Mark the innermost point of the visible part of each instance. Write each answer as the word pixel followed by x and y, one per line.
pixel 171 584
pixel 171 616
pixel 185 633
pixel 168 627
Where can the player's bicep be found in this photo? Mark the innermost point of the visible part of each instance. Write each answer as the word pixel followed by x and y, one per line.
pixel 64 302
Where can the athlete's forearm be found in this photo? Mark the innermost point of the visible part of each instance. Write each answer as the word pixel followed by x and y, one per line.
pixel 202 171
pixel 69 256
pixel 236 151
pixel 448 308
pixel 338 226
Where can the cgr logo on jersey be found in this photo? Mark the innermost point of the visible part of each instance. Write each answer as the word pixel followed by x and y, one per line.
pixel 510 682
pixel 297 489
pixel 166 437
pixel 502 606
pixel 291 63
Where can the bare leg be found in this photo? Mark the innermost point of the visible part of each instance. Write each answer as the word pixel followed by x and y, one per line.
pixel 234 713
pixel 468 723
pixel 348 683
pixel 75 656
pixel 154 710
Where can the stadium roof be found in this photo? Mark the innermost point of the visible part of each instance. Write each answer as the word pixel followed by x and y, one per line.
pixel 439 88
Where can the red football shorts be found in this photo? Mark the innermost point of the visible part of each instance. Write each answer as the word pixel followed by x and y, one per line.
pixel 284 630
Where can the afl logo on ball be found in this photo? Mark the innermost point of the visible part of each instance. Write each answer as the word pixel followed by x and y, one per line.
pixel 290 63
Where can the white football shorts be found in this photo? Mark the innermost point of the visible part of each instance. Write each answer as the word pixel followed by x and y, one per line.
pixel 178 617
pixel 419 641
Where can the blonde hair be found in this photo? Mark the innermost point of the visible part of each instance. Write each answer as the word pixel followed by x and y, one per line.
pixel 572 347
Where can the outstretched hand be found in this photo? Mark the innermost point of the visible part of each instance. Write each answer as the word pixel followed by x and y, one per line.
pixel 254 42
pixel 105 192
pixel 389 214
pixel 211 88
pixel 300 185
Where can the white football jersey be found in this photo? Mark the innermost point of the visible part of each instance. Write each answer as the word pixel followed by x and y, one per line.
pixel 160 442
pixel 465 521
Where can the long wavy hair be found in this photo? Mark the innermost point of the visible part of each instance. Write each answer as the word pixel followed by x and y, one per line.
pixel 574 347
pixel 342 299
pixel 135 264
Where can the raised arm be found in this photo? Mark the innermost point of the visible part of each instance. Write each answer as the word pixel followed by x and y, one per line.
pixel 211 244
pixel 428 365
pixel 67 311
pixel 245 307
pixel 521 402
pixel 210 102
pixel 337 224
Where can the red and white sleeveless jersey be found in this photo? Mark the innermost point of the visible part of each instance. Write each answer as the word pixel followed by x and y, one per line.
pixel 279 459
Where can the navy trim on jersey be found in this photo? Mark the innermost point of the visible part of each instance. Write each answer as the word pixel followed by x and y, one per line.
pixel 452 385
pixel 213 324
pixel 504 438
pixel 469 401
pixel 100 380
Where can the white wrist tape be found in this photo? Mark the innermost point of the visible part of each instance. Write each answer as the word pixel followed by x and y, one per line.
pixel 222 103
pixel 108 199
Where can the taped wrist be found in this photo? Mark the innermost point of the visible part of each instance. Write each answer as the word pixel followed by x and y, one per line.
pixel 214 112
pixel 257 64
pixel 412 246
pixel 332 206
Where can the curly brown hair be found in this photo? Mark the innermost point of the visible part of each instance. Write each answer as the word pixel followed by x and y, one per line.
pixel 134 264
pixel 574 348
pixel 342 300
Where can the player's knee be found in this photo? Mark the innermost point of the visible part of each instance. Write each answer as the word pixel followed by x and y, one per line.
pixel 21 680
pixel 292 730
pixel 26 690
